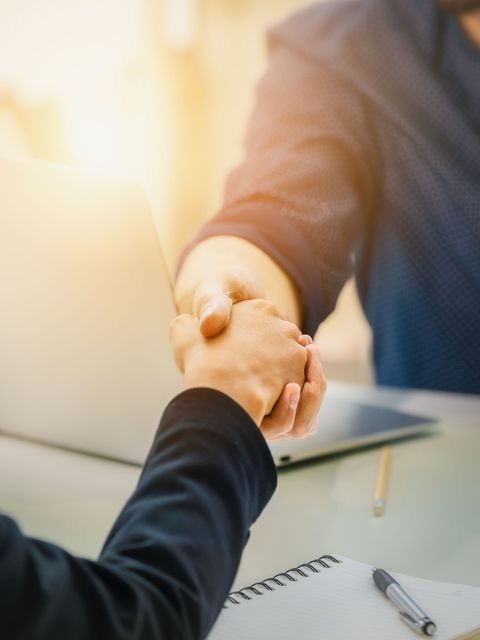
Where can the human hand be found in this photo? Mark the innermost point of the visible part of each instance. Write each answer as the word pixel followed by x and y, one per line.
pixel 239 362
pixel 284 423
pixel 217 291
pixel 212 300
pixel 251 360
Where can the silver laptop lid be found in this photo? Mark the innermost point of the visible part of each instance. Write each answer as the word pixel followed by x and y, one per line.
pixel 345 425
pixel 85 307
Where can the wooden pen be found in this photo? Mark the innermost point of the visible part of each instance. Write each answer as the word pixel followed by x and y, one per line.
pixel 383 472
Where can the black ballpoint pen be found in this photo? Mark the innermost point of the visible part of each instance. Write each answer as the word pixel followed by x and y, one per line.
pixel 410 612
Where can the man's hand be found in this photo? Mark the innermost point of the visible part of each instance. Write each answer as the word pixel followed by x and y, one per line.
pixel 257 357
pixel 222 270
pixel 217 291
pixel 284 422
pixel 212 301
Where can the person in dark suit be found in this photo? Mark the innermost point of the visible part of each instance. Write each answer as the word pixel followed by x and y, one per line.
pixel 171 556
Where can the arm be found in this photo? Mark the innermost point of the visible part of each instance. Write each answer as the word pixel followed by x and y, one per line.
pixel 296 208
pixel 232 251
pixel 303 197
pixel 172 555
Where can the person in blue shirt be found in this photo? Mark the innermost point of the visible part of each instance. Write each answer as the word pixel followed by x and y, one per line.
pixel 362 157
pixel 171 557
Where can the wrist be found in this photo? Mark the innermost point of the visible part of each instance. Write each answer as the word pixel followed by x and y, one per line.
pixel 247 396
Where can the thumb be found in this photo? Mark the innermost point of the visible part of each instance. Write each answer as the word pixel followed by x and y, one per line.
pixel 281 420
pixel 214 314
pixel 212 302
pixel 215 294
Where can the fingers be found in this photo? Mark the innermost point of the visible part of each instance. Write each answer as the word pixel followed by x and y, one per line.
pixel 312 395
pixel 294 415
pixel 282 418
pixel 183 331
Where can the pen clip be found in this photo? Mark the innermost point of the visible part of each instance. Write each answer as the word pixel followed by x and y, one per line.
pixel 415 624
pixel 424 625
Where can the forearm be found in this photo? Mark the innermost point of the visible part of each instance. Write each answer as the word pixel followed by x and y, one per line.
pixel 307 189
pixel 207 478
pixel 232 251
pixel 172 554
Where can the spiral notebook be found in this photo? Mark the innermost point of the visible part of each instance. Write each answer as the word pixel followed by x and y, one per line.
pixel 334 598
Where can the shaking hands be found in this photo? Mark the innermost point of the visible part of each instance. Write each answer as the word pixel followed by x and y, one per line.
pixel 240 344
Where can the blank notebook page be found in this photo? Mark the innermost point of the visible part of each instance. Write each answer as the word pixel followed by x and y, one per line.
pixel 342 602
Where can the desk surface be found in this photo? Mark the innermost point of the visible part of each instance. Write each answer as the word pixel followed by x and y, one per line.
pixel 431 527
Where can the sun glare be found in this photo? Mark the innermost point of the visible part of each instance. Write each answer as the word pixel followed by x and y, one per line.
pixel 97 143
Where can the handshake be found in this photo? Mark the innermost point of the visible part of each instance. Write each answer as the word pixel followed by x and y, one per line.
pixel 240 344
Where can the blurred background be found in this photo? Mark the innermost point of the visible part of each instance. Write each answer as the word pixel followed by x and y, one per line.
pixel 154 91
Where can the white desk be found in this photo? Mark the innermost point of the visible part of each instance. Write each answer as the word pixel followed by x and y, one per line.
pixel 431 527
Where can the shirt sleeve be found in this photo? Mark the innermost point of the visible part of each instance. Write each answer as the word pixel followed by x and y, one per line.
pixel 306 187
pixel 172 555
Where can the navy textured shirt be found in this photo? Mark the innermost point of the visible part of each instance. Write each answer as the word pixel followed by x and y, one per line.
pixel 363 156
pixel 172 555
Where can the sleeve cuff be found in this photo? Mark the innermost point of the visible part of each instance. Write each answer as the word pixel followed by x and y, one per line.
pixel 220 417
pixel 263 225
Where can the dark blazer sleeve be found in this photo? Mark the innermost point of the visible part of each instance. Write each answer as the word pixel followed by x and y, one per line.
pixel 171 556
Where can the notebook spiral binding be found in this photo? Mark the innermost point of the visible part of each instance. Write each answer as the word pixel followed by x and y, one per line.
pixel 280 580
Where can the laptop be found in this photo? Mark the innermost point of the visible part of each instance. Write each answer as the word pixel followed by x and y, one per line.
pixel 344 425
pixel 86 302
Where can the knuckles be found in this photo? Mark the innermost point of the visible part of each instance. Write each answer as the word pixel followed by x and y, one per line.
pixel 262 305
